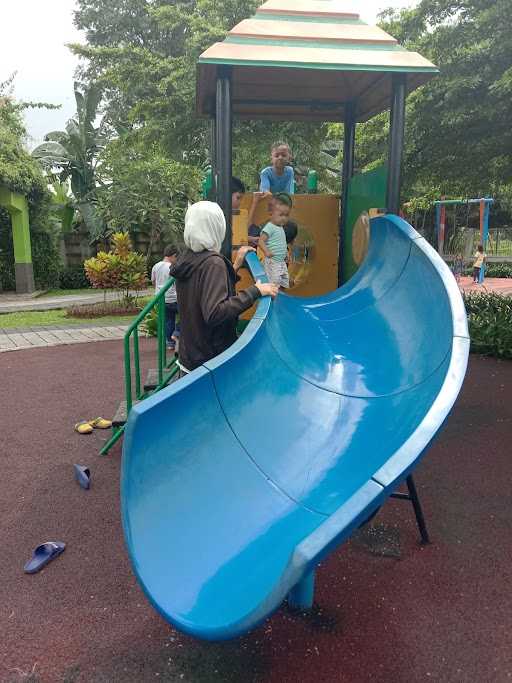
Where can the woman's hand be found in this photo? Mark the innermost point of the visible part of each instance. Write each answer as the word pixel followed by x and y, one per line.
pixel 267 289
pixel 240 256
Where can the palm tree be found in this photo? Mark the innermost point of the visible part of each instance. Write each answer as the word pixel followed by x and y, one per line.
pixel 74 153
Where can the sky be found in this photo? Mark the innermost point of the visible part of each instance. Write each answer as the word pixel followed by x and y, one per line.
pixel 33 43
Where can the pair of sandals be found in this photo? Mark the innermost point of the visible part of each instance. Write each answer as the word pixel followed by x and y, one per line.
pixel 88 426
pixel 48 551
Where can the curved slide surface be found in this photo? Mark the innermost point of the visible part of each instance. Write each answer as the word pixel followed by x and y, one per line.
pixel 238 479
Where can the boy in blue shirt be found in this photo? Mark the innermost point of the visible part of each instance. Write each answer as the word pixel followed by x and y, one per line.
pixel 279 177
pixel 272 241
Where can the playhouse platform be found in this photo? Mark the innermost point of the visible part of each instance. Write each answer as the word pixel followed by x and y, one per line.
pixel 387 609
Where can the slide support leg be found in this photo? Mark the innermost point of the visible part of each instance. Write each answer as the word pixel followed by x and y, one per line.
pixel 301 595
pixel 418 512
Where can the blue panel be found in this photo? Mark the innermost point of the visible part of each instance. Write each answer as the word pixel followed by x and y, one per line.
pixel 239 478
pixel 316 445
pixel 182 499
pixel 383 349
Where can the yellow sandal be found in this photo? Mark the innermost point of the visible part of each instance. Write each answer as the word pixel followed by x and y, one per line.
pixel 100 423
pixel 83 427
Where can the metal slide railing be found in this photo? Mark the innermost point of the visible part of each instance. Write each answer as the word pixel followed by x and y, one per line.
pixel 166 369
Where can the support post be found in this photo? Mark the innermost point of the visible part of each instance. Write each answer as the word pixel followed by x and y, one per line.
pixel 213 154
pixel 442 230
pixel 345 236
pixel 396 141
pixel 418 512
pixel 484 232
pixel 301 596
pixel 17 207
pixel 224 151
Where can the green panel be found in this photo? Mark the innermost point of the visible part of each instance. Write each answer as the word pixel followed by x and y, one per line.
pixel 299 42
pixel 16 205
pixel 366 191
pixel 323 66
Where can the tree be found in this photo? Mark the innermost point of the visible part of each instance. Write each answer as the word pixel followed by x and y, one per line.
pixel 75 152
pixel 145 191
pixel 458 135
pixel 144 55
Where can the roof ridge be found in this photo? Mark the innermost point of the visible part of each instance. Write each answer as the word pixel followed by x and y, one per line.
pixel 322 8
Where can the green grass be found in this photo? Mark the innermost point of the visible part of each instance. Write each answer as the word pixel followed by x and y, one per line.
pixel 56 317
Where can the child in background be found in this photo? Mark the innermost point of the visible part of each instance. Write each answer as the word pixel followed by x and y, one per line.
pixel 478 264
pixel 237 190
pixel 279 177
pixel 272 241
pixel 159 277
pixel 458 266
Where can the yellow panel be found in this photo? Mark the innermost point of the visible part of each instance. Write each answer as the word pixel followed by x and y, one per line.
pixel 313 264
pixel 239 227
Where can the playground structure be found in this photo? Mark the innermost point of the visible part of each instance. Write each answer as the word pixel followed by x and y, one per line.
pixel 239 478
pixel 458 243
pixel 17 207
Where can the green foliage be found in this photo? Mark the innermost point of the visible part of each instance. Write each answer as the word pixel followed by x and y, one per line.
pixel 498 270
pixel 490 323
pixel 73 277
pixel 46 260
pixel 149 326
pixel 18 171
pixel 502 270
pixel 21 173
pixel 143 56
pixel 148 191
pixel 458 130
pixel 120 269
pixel 73 153
pixel 45 257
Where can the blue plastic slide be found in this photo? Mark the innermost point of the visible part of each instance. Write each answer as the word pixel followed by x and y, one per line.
pixel 238 479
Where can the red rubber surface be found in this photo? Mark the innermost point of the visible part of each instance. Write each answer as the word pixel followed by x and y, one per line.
pixel 388 610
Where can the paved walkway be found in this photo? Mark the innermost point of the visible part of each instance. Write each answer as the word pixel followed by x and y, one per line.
pixel 500 285
pixel 12 303
pixel 16 339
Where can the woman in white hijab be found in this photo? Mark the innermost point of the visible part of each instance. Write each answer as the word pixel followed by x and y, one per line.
pixel 205 285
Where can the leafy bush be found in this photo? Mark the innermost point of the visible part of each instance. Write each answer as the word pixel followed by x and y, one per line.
pixel 490 323
pixel 499 270
pixel 46 260
pixel 104 308
pixel 73 277
pixel 120 269
pixel 493 270
pixel 149 326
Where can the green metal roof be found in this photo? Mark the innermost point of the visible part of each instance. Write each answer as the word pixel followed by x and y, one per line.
pixel 304 60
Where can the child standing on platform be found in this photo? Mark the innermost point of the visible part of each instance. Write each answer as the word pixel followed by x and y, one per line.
pixel 280 176
pixel 272 241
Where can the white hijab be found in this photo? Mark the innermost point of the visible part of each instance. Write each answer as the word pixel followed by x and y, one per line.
pixel 205 227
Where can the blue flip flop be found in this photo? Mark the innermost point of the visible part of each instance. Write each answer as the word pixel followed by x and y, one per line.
pixel 43 554
pixel 83 476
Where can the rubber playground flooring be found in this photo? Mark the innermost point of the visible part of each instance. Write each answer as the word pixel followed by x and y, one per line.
pixel 388 610
pixel 498 285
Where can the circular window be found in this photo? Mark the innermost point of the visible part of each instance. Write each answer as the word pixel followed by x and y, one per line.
pixel 302 254
pixel 361 238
